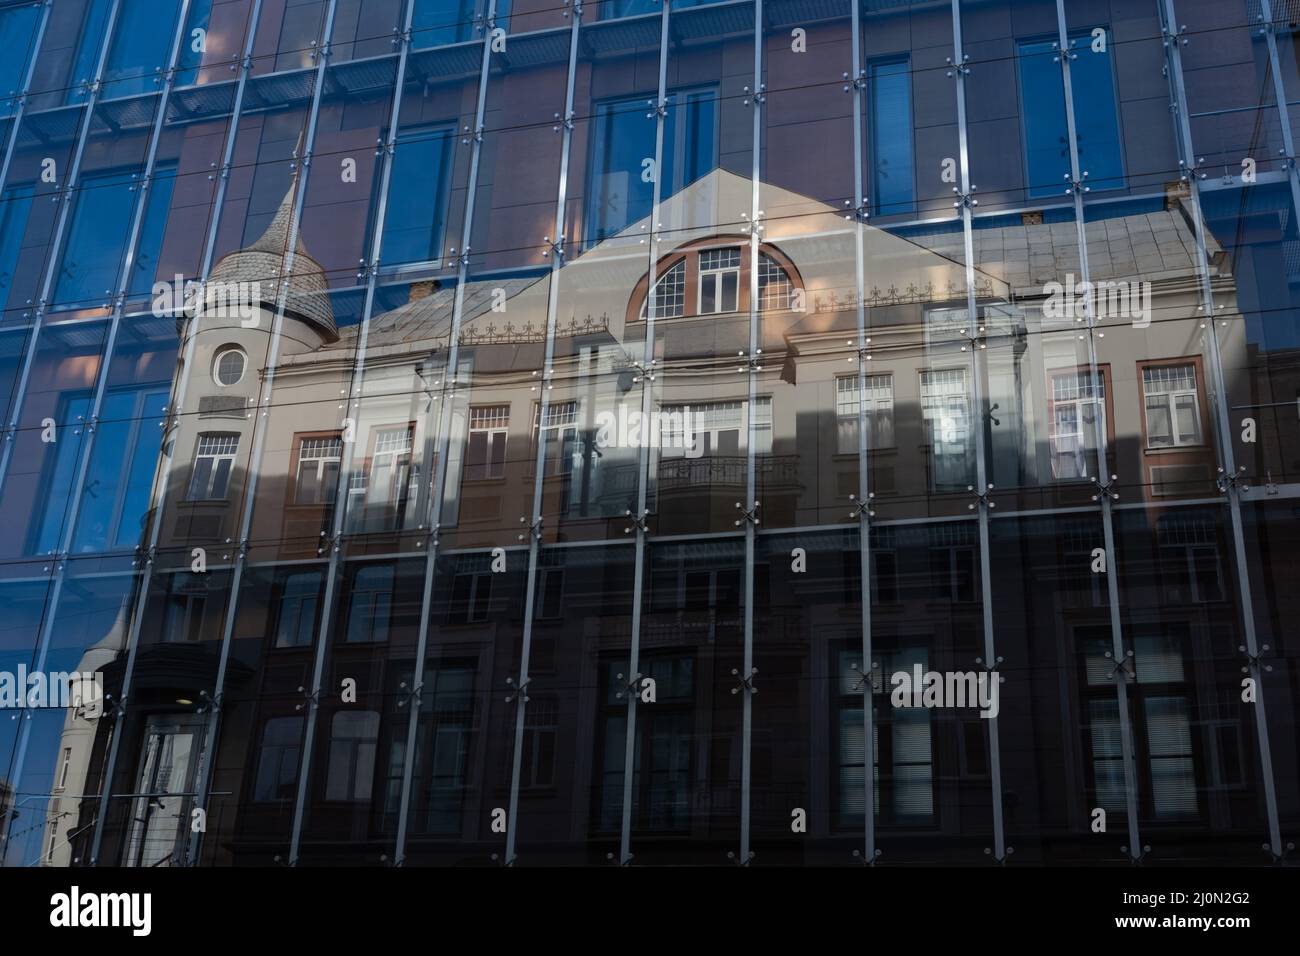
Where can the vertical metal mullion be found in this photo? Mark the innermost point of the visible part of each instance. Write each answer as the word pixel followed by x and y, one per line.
pixel 864 513
pixel 1228 481
pixel 335 542
pixel 438 480
pixel 1118 652
pixel 203 761
pixel 983 488
pixel 101 385
pixel 643 453
pixel 26 91
pixel 1280 98
pixel 535 522
pixel 58 561
pixel 750 506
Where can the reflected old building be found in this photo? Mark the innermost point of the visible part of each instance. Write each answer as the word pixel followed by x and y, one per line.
pixel 527 434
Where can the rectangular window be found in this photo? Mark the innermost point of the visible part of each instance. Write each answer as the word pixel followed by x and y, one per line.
pixel 889 133
pixel 471 597
pixel 1076 415
pixel 15 204
pixel 560 433
pixel 391 480
pixel 439 22
pixel 296 625
pixel 370 605
pixel 945 409
pixel 319 460
pixel 880 412
pixel 87 59
pixel 354 744
pixel 213 460
pixel 775 290
pixel 621 180
pixel 719 285
pixel 57 476
pixel 1042 90
pixel 719 429
pixel 64 766
pixel 144 267
pixel 1173 408
pixel 486 456
pixel 277 759
pixel 414 215
pixel 91 265
pixel 142 39
pixel 17 31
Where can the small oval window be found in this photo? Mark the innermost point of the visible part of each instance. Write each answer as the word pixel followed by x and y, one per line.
pixel 229 366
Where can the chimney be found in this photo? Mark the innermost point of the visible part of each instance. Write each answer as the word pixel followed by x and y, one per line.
pixel 422 290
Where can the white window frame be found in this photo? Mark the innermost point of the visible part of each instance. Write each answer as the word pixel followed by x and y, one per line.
pixel 714 274
pixel 493 421
pixel 317 452
pixel 216 447
pixel 1171 391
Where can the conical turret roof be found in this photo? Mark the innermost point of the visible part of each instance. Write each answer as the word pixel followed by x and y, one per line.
pixel 264 262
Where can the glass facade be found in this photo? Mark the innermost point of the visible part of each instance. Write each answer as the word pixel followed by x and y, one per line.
pixel 509 432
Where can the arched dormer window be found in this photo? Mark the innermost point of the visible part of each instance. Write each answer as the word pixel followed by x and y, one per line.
pixel 711 277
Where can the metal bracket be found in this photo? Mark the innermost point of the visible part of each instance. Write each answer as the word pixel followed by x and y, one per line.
pixel 862 508
pixel 519 690
pixel 746 682
pixel 308 697
pixel 406 695
pixel 958 71
pixel 1106 489
pixel 858 84
pixel 1254 662
pixel 566 122
pixel 643 371
pixel 1077 185
pixel 858 855
pixel 1173 36
pixel 866 682
pixel 213 702
pixel 330 542
pixel 862 211
pixel 659 109
pixel 631 686
pixel 731 855
pixel 554 246
pixel 1127 667
pixel 965 200
pixel 759 96
pixel 1141 854
pixel 534 529
pixel 638 521
pixel 999 860
pixel 1234 482
pixel 974 339
pixel 748 514
pixel 752 362
pixel 982 498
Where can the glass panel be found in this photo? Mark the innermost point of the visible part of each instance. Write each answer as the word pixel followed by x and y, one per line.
pixel 575 726
pixel 57 764
pixel 465 731
pixel 1198 758
pixel 807 595
pixel 47 447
